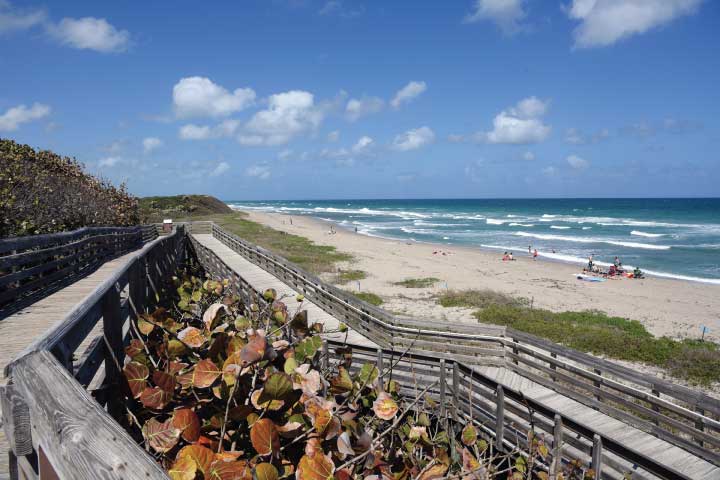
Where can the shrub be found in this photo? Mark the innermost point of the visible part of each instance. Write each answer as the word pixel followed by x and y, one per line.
pixel 347 276
pixel 477 299
pixel 418 282
pixel 41 192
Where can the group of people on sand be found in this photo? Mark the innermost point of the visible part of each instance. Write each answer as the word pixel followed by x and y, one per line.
pixel 508 256
pixel 616 269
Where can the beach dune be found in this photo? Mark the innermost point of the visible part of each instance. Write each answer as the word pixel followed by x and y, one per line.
pixel 668 307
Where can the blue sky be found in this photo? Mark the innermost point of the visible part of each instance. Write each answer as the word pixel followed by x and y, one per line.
pixel 293 99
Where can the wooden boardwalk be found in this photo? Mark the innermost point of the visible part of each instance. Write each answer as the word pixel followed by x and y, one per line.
pixel 662 451
pixel 20 329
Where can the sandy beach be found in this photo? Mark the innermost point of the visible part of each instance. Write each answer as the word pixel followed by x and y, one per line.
pixel 668 307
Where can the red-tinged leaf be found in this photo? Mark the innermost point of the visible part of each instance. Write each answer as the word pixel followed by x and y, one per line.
pixel 266 471
pixel 342 383
pixel 315 467
pixel 202 456
pixel 320 416
pixel 211 314
pixel 155 398
pixel 165 381
pixel 434 472
pixel 136 375
pixel 264 437
pixel 277 387
pixel 192 337
pixel 205 373
pixel 188 423
pixel 469 435
pixel 344 444
pixel 221 470
pixel 290 429
pixel 161 436
pixel 385 407
pixel 176 367
pixel 135 348
pixel 235 344
pixel 183 469
pixel 254 351
pixel 257 400
pixel 145 327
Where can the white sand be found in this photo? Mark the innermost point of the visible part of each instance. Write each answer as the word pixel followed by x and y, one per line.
pixel 666 307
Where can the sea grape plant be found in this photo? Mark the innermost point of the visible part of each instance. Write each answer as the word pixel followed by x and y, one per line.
pixel 220 389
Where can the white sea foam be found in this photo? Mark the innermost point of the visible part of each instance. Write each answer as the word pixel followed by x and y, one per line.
pixel 545 215
pixel 521 224
pixel 586 228
pixel 561 238
pixel 644 234
pixel 557 227
pixel 492 221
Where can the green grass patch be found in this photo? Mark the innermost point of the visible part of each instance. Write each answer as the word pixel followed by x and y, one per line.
pixel 369 297
pixel 614 337
pixel 346 276
pixel 299 250
pixel 478 299
pixel 418 282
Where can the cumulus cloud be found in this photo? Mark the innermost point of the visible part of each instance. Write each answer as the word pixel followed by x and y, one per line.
pixel 574 136
pixel 201 97
pixel 151 143
pixel 15 116
pixel 413 139
pixel 604 22
pixel 90 33
pixel 336 7
pixel 357 108
pixel 12 20
pixel 519 125
pixel 109 161
pixel 258 171
pixel 288 114
pixel 363 144
pixel 221 168
pixel 577 163
pixel 408 93
pixel 195 132
pixel 333 136
pixel 506 14
pixel 285 154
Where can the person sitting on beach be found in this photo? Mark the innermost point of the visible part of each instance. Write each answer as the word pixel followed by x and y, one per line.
pixel 510 257
pixel 637 273
pixel 505 257
pixel 612 271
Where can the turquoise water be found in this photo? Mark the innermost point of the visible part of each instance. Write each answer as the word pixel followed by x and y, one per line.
pixel 676 238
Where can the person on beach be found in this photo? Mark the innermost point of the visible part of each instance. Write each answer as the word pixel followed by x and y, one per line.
pixel 535 254
pixel 529 249
pixel 505 257
pixel 510 257
pixel 590 263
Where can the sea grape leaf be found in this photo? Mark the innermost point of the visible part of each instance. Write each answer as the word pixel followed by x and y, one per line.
pixel 202 456
pixel 135 348
pixel 290 365
pixel 277 387
pixel 385 407
pixel 145 327
pixel 264 437
pixel 211 314
pixel 436 471
pixel 469 435
pixel 342 383
pixel 270 294
pixel 367 374
pixel 254 351
pixel 136 375
pixel 187 421
pixel 183 469
pixel 161 436
pixel 315 467
pixel 266 471
pixel 155 398
pixel 165 381
pixel 234 470
pixel 175 348
pixel 205 373
pixel 192 337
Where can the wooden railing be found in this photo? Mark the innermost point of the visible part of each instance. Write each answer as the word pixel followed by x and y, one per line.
pixel 62 395
pixel 31 267
pixel 682 416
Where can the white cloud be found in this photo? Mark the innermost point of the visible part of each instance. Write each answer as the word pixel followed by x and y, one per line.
pixel 357 108
pixel 195 132
pixel 363 144
pixel 506 14
pixel 201 97
pixel 288 114
pixel 604 22
pixel 549 171
pixel 528 155
pixel 259 171
pixel 15 116
pixel 221 168
pixel 577 163
pixel 413 139
pixel 151 143
pixel 109 162
pixel 90 33
pixel 12 20
pixel 284 154
pixel 333 136
pixel 519 125
pixel 408 93
pixel 574 136
pixel 336 7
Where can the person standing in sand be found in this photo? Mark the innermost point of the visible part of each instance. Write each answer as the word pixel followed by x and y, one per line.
pixel 535 254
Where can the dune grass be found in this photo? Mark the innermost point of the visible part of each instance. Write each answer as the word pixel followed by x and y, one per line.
pixel 594 332
pixel 369 297
pixel 417 282
pixel 347 276
pixel 299 250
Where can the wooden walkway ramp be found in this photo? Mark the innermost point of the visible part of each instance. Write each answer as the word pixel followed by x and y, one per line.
pixel 663 452
pixel 23 327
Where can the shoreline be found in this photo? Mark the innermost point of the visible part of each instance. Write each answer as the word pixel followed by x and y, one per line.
pixel 665 306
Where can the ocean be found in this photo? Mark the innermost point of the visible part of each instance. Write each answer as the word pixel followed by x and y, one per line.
pixel 674 238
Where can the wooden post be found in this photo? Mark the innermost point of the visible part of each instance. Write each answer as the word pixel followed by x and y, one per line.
pixel 499 418
pixel 553 367
pixel 16 421
pixel 325 355
pixel 114 354
pixel 556 465
pixel 515 351
pixel 443 382
pixel 380 367
pixel 655 407
pixel 456 391
pixel 597 455
pixel 135 281
pixel 597 385
pixel 699 425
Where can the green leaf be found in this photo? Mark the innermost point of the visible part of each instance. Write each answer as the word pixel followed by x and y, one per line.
pixel 277 387
pixel 367 374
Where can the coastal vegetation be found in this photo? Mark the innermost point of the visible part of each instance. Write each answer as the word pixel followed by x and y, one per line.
pixel 219 389
pixel 347 276
pixel 156 209
pixel 425 282
pixel 369 297
pixel 42 192
pixel 594 332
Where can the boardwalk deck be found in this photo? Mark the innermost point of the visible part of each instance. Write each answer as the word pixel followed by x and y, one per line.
pixel 18 330
pixel 663 452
